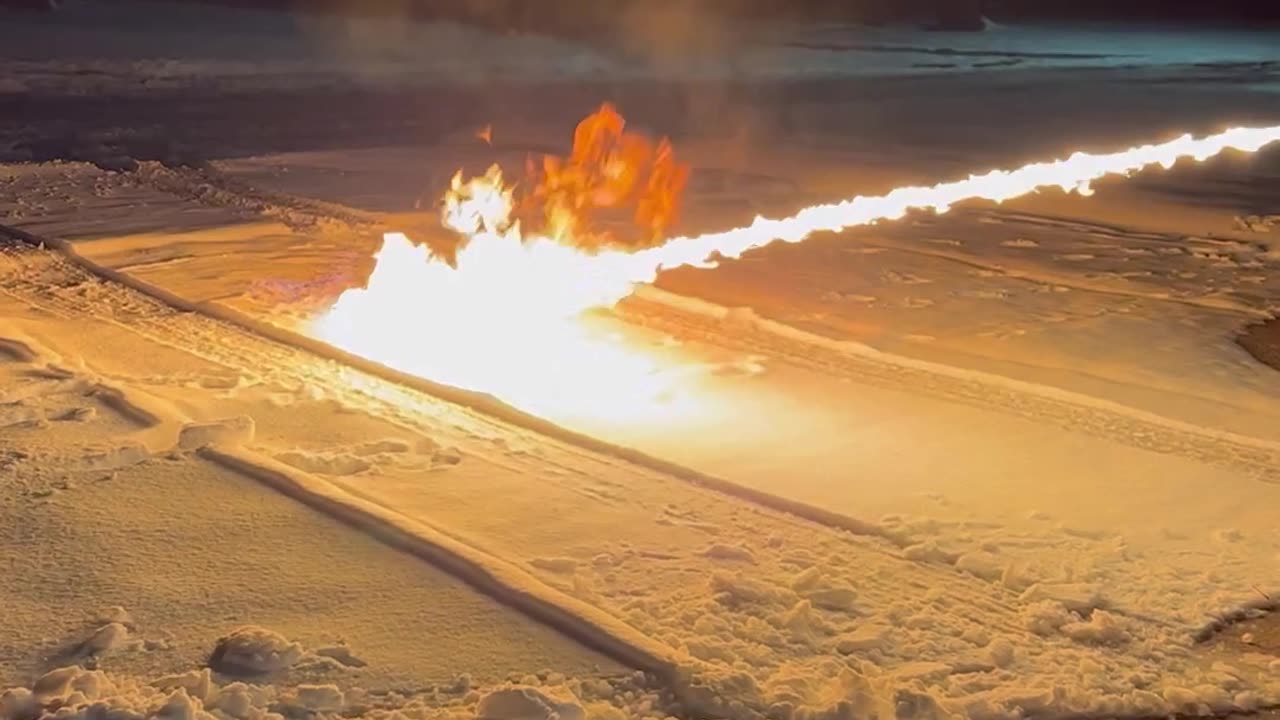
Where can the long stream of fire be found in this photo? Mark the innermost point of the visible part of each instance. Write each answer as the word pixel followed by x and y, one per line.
pixel 509 317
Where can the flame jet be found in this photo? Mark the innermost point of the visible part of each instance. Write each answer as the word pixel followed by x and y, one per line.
pixel 1076 173
pixel 507 318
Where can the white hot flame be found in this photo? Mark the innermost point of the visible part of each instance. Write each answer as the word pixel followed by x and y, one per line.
pixel 508 319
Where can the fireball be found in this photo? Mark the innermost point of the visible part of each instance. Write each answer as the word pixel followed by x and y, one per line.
pixel 609 169
pixel 491 318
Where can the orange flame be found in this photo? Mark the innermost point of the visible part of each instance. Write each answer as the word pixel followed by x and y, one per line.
pixel 609 169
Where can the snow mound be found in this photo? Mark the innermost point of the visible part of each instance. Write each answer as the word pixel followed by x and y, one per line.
pixel 555 564
pixel 389 446
pixel 348 460
pixel 115 614
pixel 112 457
pixel 729 553
pixel 254 651
pixel 73 693
pixel 835 599
pixel 520 702
pixel 67 693
pixel 230 431
pixel 340 654
pixel 1102 628
pixel 106 638
pixel 864 638
pixel 928 552
pixel 981 564
pixel 1046 617
pixel 324 463
pixel 319 698
pixel 731 590
pixel 1081 598
pixel 196 683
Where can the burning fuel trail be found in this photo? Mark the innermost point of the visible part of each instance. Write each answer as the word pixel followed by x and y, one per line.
pixel 507 318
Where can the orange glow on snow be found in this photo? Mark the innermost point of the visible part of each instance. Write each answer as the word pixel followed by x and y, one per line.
pixel 509 319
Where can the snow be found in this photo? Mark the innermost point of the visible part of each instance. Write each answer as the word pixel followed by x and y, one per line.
pixel 525 703
pixel 751 613
pixel 254 651
pixel 1001 463
pixel 143 565
pixel 229 431
pixel 73 692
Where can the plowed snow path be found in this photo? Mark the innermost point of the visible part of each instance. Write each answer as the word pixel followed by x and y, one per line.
pixel 765 609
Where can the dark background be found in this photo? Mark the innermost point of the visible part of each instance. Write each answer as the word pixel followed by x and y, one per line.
pixel 596 16
pixel 568 12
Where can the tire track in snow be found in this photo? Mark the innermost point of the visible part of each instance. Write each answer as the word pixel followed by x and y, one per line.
pixel 1018 271
pixel 691 318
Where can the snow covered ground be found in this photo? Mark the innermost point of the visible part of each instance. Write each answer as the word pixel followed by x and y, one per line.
pixel 1007 462
pixel 727 601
